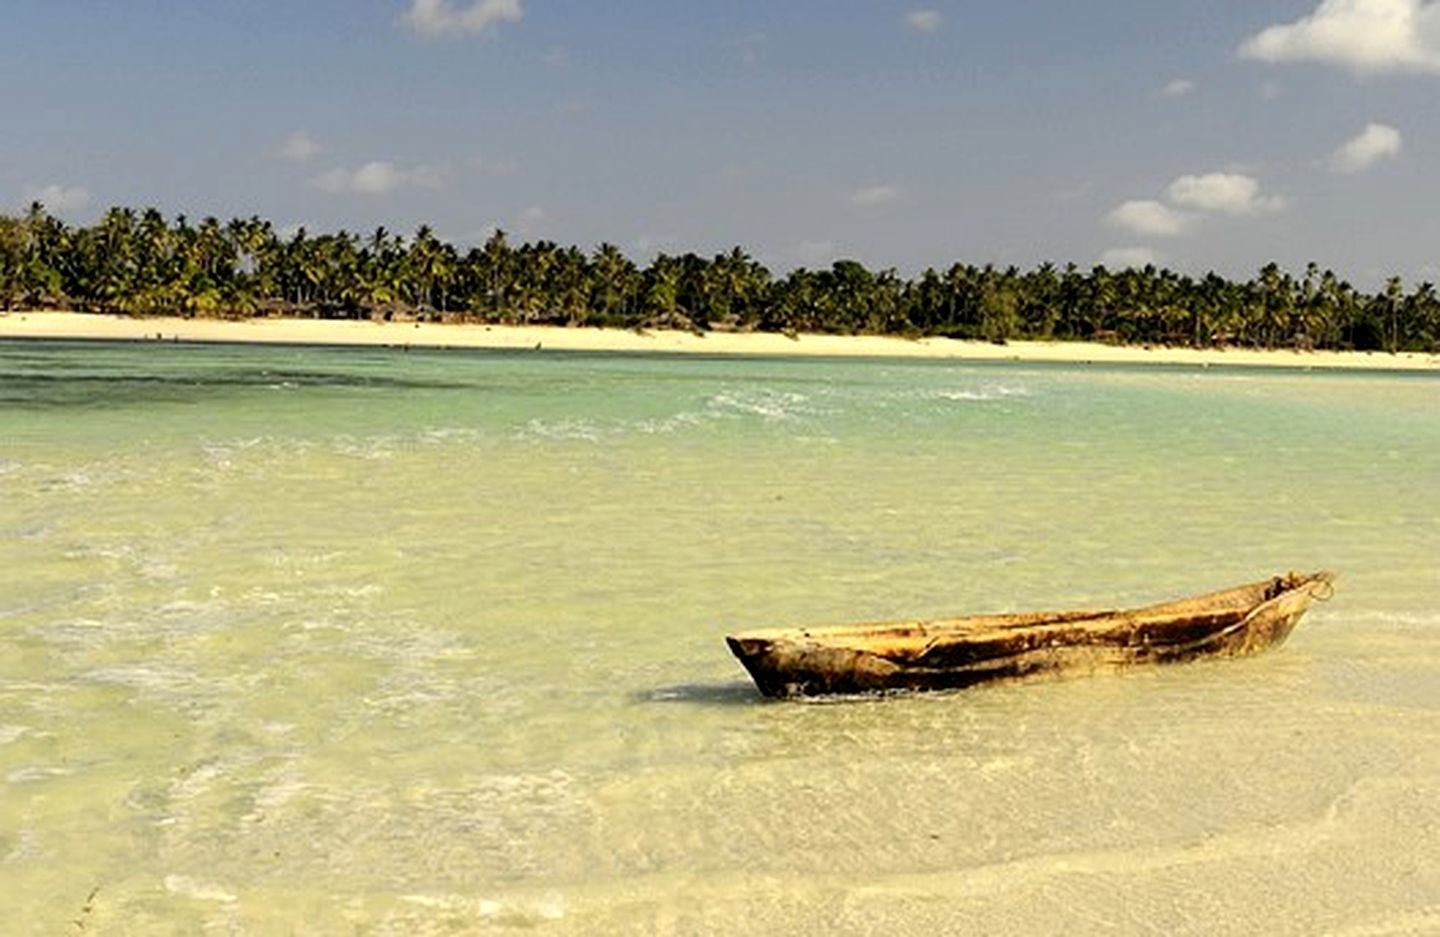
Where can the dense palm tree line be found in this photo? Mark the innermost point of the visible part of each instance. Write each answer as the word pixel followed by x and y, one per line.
pixel 140 263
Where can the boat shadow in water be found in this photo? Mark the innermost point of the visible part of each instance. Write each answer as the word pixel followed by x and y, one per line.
pixel 719 693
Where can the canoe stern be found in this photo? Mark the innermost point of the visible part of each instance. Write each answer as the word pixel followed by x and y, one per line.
pixel 785 668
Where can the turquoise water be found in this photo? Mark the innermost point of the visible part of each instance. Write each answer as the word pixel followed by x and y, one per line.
pixel 365 641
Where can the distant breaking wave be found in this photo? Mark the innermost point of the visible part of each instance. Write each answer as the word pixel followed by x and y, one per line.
pixel 986 393
pixel 773 407
pixel 769 405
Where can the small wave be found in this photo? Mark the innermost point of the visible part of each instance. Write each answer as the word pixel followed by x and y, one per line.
pixel 438 435
pixel 986 393
pixel 26 849
pixel 189 887
pixel 564 430
pixel 377 449
pixel 671 424
pixel 518 914
pixel 408 643
pixel 367 591
pixel 10 733
pixel 275 794
pixel 769 405
pixel 169 680
pixel 222 452
pixel 401 697
pixel 133 559
pixel 35 774
pixel 766 405
pixel 70 481
pixel 79 632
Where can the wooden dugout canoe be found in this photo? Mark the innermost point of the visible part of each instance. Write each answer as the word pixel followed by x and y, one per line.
pixel 949 654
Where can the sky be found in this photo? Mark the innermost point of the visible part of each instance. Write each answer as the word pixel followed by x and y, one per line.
pixel 1216 135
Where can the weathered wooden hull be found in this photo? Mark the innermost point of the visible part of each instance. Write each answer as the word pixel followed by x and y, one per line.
pixel 951 654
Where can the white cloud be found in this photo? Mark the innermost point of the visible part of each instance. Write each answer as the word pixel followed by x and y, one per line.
pixel 529 219
pixel 1120 258
pixel 494 167
pixel 647 245
pixel 58 198
pixel 875 195
pixel 750 48
pixel 378 178
pixel 1374 143
pixel 924 21
pixel 1364 36
pixel 300 147
pixel 816 253
pixel 1178 88
pixel 1149 218
pixel 437 18
pixel 1230 193
pixel 1188 200
pixel 287 232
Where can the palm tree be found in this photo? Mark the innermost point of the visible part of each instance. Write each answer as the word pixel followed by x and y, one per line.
pixel 1392 303
pixel 661 298
pixel 615 284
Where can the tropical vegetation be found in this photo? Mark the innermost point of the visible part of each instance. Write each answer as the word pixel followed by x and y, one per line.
pixel 141 263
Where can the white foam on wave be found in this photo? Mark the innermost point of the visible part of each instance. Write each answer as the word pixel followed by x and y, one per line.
pixel 400 694
pixel 36 773
pixel 985 393
pixel 177 618
pixel 176 688
pixel 70 481
pixel 371 449
pixel 189 887
pixel 140 561
pixel 767 404
pixel 275 795
pixel 564 430
pixel 80 632
pixel 154 677
pixel 26 849
pixel 671 424
pixel 407 642
pixel 366 591
pixel 522 913
pixel 222 455
pixel 11 733
pixel 731 404
pixel 440 435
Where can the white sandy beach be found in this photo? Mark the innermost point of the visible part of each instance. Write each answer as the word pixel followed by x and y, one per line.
pixel 70 325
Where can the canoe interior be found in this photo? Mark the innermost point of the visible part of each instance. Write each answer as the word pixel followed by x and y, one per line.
pixel 959 652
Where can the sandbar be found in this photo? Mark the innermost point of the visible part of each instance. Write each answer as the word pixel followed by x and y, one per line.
pixel 296 331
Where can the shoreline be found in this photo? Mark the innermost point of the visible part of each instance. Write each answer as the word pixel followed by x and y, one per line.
pixel 344 332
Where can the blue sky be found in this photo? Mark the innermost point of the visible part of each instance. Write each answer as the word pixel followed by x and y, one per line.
pixel 1216 135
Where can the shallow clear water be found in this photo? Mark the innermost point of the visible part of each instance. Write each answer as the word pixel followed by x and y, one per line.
pixel 364 641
